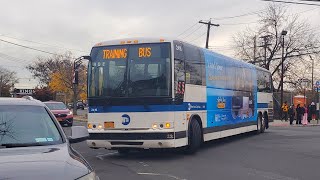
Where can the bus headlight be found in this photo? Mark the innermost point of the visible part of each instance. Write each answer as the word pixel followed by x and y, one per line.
pixel 154 126
pixel 100 126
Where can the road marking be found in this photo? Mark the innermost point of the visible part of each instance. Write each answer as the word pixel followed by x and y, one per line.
pixel 104 155
pixel 144 164
pixel 157 174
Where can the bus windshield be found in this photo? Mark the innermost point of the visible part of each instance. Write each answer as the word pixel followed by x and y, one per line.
pixel 138 70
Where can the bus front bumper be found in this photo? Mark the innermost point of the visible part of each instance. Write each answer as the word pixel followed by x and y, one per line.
pixel 137 140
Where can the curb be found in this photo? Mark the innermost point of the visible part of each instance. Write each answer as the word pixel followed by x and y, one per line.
pixel 288 125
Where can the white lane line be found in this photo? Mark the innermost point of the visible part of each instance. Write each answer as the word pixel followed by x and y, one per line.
pixel 144 164
pixel 157 174
pixel 104 155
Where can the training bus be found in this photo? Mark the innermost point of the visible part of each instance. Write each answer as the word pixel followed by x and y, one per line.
pixel 161 93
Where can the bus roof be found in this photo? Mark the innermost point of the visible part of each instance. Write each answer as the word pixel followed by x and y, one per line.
pixel 139 40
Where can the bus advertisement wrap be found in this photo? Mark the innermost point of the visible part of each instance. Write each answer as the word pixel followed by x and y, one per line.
pixel 230 93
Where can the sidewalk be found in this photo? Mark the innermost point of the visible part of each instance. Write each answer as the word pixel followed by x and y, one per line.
pixel 279 123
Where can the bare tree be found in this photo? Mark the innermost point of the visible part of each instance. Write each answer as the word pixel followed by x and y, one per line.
pixel 7 80
pixel 299 42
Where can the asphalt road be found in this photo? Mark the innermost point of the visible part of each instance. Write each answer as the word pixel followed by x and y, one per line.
pixel 282 153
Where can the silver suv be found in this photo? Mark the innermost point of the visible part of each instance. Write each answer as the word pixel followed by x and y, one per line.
pixel 33 144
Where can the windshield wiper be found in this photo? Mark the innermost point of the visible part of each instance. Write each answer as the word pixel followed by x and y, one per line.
pixel 14 145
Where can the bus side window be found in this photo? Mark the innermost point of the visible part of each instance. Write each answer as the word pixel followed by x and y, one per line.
pixel 264 81
pixel 203 68
pixel 193 65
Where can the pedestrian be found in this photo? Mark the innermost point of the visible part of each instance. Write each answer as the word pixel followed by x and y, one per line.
pixel 291 114
pixel 300 113
pixel 305 116
pixel 312 111
pixel 285 109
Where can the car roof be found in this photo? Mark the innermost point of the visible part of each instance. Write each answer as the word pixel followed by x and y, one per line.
pixel 20 101
pixel 52 102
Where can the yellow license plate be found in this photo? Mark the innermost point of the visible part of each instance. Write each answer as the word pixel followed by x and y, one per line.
pixel 108 125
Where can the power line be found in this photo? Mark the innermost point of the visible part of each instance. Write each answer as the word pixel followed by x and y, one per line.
pixel 291 2
pixel 60 47
pixel 27 47
pixel 23 61
pixel 241 15
pixel 188 29
pixel 201 35
pixel 192 32
pixel 234 24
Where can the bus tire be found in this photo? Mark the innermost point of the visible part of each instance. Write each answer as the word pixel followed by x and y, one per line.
pixel 195 137
pixel 261 124
pixel 266 120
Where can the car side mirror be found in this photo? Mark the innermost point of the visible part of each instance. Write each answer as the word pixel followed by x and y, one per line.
pixel 78 134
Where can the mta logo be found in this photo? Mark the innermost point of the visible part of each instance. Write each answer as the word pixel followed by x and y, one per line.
pixel 125 119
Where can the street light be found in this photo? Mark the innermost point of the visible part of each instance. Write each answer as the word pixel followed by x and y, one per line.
pixel 283 33
pixel 304 83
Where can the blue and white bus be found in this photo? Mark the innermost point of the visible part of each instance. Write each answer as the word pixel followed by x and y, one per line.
pixel 164 93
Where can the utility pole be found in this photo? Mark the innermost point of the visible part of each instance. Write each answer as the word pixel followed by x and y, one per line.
pixel 1 85
pixel 208 30
pixel 312 76
pixel 265 45
pixel 283 33
pixel 254 49
pixel 76 66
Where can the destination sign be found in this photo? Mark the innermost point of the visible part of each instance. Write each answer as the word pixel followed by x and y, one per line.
pixel 142 52
pixel 114 53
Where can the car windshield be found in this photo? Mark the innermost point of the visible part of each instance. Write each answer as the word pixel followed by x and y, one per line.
pixel 22 126
pixel 56 106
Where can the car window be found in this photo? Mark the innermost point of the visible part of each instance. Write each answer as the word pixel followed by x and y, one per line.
pixel 56 106
pixel 27 125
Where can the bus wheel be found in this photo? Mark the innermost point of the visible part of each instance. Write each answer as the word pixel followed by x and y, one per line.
pixel 123 151
pixel 261 124
pixel 195 138
pixel 266 120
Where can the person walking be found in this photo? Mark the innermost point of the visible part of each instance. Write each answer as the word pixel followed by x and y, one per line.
pixel 305 116
pixel 291 114
pixel 300 112
pixel 312 111
pixel 285 109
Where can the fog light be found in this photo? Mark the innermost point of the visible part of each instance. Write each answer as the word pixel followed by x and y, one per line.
pixel 154 126
pixel 161 126
pixel 94 126
pixel 89 126
pixel 168 125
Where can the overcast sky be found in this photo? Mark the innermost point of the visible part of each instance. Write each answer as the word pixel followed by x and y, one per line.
pixel 61 25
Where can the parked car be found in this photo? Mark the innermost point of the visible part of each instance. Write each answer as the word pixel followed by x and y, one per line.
pixel 61 112
pixel 34 146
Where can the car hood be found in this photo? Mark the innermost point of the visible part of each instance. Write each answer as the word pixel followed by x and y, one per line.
pixel 42 162
pixel 62 111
